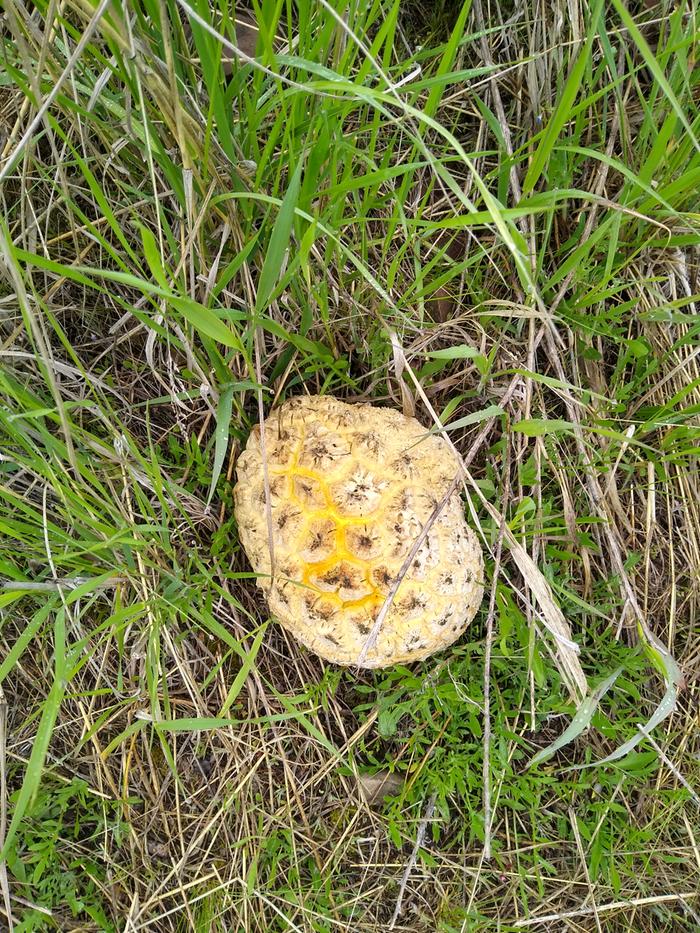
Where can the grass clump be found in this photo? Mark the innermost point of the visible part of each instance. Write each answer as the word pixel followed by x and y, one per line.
pixel 58 857
pixel 488 210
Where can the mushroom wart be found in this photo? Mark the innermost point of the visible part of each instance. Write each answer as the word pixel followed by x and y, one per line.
pixel 351 488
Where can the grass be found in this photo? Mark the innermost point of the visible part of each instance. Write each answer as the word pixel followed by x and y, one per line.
pixel 491 210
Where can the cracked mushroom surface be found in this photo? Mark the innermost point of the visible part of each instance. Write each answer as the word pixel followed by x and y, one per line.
pixel 351 487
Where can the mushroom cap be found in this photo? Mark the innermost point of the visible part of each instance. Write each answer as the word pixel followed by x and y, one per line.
pixel 351 487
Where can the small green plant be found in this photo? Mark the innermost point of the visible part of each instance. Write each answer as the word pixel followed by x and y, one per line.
pixel 55 860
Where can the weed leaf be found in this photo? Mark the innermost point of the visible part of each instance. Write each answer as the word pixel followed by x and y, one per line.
pixel 581 720
pixel 672 674
pixel 223 422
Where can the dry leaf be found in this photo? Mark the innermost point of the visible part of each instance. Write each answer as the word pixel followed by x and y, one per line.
pixel 375 787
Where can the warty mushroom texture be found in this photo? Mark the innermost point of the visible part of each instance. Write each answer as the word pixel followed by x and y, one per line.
pixel 351 487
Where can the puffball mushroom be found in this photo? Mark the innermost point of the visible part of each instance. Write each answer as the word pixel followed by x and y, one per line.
pixel 350 488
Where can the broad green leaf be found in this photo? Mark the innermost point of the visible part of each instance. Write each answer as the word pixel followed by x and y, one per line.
pixel 536 427
pixel 103 202
pixel 313 347
pixel 460 351
pixel 232 269
pixel 552 382
pixel 153 258
pixel 205 320
pixel 193 724
pixel 210 53
pixel 7 599
pixel 303 720
pixel 218 630
pixel 202 318
pixel 476 417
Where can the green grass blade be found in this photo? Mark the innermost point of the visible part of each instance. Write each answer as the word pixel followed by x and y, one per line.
pixel 275 257
pixel 50 709
pixel 562 112
pixel 654 67
pixel 243 673
pixel 221 435
pixel 447 59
